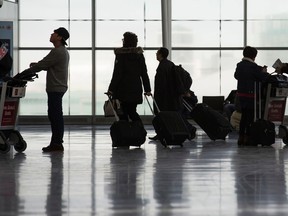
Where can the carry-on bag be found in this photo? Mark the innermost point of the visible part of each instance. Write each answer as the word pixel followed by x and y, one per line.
pixel 214 124
pixel 169 126
pixel 125 133
pixel 262 131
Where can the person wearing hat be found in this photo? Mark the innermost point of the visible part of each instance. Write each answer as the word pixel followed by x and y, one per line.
pixel 56 64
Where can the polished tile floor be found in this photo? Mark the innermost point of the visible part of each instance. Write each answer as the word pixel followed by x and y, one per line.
pixel 91 178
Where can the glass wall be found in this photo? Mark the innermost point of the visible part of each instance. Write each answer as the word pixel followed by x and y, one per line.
pixel 207 39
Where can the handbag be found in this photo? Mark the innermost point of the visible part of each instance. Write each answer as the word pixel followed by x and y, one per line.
pixel 110 106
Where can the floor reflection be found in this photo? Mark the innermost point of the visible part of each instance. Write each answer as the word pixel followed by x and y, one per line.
pixel 91 178
pixel 55 204
pixel 10 201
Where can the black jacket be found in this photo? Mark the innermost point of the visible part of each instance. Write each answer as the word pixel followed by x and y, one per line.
pixel 167 91
pixel 130 72
pixel 247 73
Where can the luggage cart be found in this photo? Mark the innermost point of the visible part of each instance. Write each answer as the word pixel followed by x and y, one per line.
pixel 275 105
pixel 11 92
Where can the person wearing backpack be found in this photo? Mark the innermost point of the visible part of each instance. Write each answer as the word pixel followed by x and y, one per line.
pixel 168 88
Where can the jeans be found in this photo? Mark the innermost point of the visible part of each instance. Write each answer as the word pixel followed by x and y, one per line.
pixel 55 115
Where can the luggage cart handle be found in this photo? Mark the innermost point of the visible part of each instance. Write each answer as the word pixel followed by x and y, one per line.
pixel 187 105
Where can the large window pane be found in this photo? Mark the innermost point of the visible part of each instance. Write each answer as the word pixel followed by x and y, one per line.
pixel 268 9
pixel 152 9
pixel 124 9
pixel 229 60
pixel 110 33
pixel 104 70
pixel 232 10
pixel 80 10
pixel 80 83
pixel 196 9
pixel 37 9
pixel 195 33
pixel 270 33
pixel 80 34
pixel 37 33
pixel 232 34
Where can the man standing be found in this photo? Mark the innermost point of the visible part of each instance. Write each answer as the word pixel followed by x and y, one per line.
pixel 56 64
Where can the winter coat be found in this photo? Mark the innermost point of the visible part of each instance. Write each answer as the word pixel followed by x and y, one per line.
pixel 166 87
pixel 248 73
pixel 130 72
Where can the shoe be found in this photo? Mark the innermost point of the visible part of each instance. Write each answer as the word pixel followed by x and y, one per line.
pixel 192 134
pixel 53 148
pixel 154 138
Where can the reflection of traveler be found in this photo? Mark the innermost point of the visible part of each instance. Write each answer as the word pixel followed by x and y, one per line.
pixel 56 65
pixel 11 201
pixel 6 61
pixel 123 183
pixel 129 74
pixel 168 88
pixel 54 202
pixel 248 73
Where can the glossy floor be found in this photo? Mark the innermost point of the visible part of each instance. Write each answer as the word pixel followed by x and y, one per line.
pixel 91 178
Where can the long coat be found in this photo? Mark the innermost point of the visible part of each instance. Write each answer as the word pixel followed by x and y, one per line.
pixel 130 72
pixel 166 87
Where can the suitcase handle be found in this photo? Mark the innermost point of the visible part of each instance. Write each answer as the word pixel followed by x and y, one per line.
pixel 259 116
pixel 111 104
pixel 187 105
pixel 154 101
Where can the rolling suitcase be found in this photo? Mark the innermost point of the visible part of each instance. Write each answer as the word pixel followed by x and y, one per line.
pixel 262 131
pixel 124 133
pixel 169 126
pixel 214 124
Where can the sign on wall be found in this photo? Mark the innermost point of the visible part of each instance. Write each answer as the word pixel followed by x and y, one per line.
pixel 6 35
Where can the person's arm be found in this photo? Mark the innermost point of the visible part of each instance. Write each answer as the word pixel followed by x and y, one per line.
pixel 116 76
pixel 44 64
pixel 145 77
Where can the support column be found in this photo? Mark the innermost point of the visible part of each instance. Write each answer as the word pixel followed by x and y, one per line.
pixel 166 25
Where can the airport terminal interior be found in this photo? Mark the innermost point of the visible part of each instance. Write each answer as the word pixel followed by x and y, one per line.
pixel 203 177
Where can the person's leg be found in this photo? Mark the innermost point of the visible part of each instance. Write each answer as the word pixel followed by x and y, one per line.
pixel 132 112
pixel 228 110
pixel 124 114
pixel 55 115
pixel 242 127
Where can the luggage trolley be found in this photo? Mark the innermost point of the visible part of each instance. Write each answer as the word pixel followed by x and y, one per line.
pixel 275 104
pixel 12 91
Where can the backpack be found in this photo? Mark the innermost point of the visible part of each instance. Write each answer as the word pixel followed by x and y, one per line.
pixel 184 77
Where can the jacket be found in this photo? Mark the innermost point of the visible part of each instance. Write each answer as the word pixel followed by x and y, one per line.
pixel 247 73
pixel 129 74
pixel 166 87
